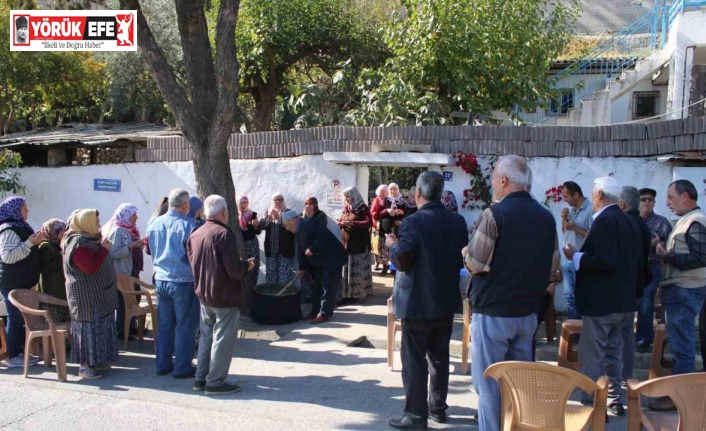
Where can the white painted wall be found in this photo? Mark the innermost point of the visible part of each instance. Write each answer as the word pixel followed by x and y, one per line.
pixel 688 30
pixel 55 192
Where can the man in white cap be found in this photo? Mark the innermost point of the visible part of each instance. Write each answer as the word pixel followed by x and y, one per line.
pixel 607 269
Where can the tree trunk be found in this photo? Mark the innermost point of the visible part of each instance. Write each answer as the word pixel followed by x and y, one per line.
pixel 265 96
pixel 104 109
pixel 8 121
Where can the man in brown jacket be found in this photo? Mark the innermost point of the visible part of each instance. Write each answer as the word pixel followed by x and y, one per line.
pixel 219 274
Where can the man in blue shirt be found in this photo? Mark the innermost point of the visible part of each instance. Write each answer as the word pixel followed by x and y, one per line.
pixel 177 305
pixel 575 221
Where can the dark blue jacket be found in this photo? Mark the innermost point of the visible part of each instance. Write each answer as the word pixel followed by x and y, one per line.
pixel 608 270
pixel 428 260
pixel 329 254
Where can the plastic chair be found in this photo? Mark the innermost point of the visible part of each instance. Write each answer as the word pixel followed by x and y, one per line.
pixel 393 326
pixel 535 395
pixel 466 335
pixel 132 305
pixel 568 357
pixel 659 365
pixel 39 324
pixel 3 341
pixel 687 391
pixel 550 315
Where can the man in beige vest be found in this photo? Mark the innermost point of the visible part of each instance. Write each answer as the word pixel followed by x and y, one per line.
pixel 683 286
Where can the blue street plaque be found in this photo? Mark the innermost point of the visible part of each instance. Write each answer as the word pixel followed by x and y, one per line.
pixel 106 185
pixel 448 175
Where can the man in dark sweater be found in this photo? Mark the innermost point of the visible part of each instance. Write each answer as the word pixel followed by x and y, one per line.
pixel 220 276
pixel 511 256
pixel 606 279
pixel 427 255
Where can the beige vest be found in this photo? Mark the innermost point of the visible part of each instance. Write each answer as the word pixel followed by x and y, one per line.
pixel 676 243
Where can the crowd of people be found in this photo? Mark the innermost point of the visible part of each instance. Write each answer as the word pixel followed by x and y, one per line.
pixel 620 257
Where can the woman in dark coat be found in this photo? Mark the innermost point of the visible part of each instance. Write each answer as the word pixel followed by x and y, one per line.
pixel 355 223
pixel 250 227
pixel 279 244
pixel 51 266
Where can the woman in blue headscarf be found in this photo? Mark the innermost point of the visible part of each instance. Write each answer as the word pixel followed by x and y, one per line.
pixel 19 269
pixel 196 210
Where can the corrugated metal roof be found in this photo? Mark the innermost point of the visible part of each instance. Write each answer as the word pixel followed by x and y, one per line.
pixel 87 134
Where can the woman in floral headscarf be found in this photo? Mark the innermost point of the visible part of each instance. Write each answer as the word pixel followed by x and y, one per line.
pixel 250 228
pixel 125 252
pixel 51 267
pixel 279 244
pixel 395 208
pixel 355 223
pixel 19 269
pixel 92 293
pixel 449 200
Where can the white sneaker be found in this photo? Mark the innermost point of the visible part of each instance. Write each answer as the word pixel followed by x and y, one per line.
pixel 19 361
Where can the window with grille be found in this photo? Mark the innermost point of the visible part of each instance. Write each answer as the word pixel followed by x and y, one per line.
pixel 562 104
pixel 645 104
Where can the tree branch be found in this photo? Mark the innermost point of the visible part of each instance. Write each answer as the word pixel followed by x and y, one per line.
pixel 198 60
pixel 163 74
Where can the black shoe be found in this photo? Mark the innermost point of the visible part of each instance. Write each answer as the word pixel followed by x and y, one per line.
pixel 384 270
pixel 187 375
pixel 407 422
pixel 661 404
pixel 199 386
pixel 617 409
pixel 165 372
pixel 223 389
pixel 438 417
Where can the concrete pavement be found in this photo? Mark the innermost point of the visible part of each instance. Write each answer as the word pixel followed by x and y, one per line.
pixel 293 377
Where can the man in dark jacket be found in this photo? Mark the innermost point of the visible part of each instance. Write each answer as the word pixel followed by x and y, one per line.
pixel 511 255
pixel 219 274
pixel 427 255
pixel 322 255
pixel 629 202
pixel 606 280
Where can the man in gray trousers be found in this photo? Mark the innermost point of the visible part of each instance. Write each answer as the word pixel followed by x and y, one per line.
pixel 220 275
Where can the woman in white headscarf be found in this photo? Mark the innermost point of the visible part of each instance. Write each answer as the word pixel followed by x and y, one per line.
pixel 377 210
pixel 355 223
pixel 395 208
pixel 279 244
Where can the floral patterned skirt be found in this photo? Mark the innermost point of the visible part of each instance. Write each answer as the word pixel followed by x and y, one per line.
pixel 357 277
pixel 252 249
pixel 279 269
pixel 95 342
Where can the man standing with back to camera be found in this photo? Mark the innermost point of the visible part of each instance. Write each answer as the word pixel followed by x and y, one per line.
pixel 427 254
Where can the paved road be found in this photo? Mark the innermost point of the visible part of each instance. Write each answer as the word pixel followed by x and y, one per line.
pixel 306 380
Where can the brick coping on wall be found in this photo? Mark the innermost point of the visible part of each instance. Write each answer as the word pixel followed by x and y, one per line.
pixel 625 140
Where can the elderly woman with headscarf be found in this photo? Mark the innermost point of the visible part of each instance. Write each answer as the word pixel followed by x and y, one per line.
pixel 390 220
pixel 92 293
pixel 19 269
pixel 411 201
pixel 355 223
pixel 51 266
pixel 279 243
pixel 196 211
pixel 250 227
pixel 125 253
pixel 376 211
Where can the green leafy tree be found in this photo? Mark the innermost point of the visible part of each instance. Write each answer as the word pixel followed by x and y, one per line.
pixel 10 178
pixel 452 55
pixel 289 43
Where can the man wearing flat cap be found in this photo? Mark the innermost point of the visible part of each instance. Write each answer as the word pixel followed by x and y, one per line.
pixel 660 228
pixel 607 269
pixel 322 255
pixel 21 26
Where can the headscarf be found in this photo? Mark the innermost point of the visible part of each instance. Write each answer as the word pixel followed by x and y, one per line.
pixel 411 195
pixel 358 201
pixel 121 218
pixel 449 200
pixel 399 200
pixel 51 228
pixel 380 188
pixel 245 216
pixel 195 204
pixel 71 217
pixel 85 222
pixel 272 203
pixel 11 213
